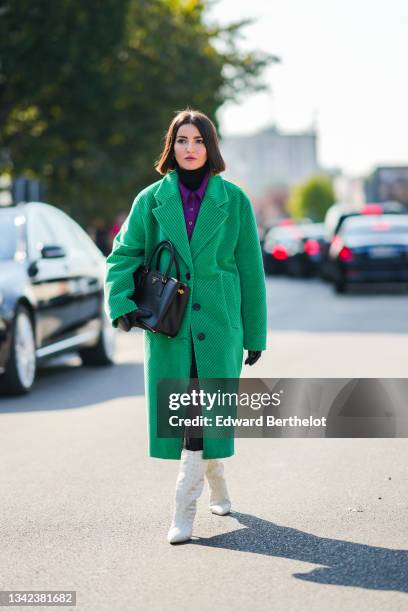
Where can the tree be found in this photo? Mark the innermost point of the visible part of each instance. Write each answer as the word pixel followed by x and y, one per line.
pixel 312 198
pixel 86 95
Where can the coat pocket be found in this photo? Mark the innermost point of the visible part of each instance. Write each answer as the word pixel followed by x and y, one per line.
pixel 232 297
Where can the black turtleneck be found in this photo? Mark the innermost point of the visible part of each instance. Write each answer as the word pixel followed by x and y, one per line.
pixel 192 179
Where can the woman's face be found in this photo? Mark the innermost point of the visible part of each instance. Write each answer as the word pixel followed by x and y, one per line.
pixel 189 147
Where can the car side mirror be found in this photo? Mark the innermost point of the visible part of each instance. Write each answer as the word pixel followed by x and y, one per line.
pixel 52 251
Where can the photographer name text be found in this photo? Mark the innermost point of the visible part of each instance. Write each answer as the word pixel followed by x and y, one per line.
pixel 259 421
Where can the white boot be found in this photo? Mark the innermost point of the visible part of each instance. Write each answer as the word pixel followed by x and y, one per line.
pixel 189 486
pixel 219 499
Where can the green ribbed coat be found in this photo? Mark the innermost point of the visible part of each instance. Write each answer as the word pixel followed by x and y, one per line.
pixel 226 277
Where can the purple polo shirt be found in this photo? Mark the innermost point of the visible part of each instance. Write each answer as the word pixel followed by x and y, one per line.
pixel 192 202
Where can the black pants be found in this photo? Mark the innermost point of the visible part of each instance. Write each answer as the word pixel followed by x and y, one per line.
pixel 193 436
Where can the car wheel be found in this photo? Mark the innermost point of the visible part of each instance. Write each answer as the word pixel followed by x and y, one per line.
pixel 340 287
pixel 19 376
pixel 295 268
pixel 265 264
pixel 269 266
pixel 104 350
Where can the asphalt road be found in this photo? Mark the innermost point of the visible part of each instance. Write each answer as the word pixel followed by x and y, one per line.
pixel 315 524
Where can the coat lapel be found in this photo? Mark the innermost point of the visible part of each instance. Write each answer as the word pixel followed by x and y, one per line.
pixel 170 216
pixel 211 215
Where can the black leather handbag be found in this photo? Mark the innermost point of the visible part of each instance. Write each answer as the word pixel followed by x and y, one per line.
pixel 164 296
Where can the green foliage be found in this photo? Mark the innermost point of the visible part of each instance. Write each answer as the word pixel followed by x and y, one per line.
pixel 87 90
pixel 311 198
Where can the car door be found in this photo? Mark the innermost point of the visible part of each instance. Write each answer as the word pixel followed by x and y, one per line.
pixel 86 265
pixel 50 280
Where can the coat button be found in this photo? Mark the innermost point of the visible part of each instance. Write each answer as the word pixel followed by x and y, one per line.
pixel 201 336
pixel 188 275
pixel 196 306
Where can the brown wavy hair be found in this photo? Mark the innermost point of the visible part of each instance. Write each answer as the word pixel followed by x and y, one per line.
pixel 205 126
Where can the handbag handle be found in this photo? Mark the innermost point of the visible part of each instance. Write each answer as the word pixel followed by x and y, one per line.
pixel 159 249
pixel 173 259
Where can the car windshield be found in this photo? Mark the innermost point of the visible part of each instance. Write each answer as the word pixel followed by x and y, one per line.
pixel 376 224
pixel 8 236
pixel 280 233
pixel 314 230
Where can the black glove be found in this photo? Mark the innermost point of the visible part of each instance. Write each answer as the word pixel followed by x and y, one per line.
pixel 130 319
pixel 253 357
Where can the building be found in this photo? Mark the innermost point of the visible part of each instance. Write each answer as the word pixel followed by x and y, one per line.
pixel 388 183
pixel 270 158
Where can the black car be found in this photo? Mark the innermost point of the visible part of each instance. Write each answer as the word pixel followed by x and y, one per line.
pixel 278 246
pixel 370 248
pixel 51 294
pixel 306 256
pixel 337 214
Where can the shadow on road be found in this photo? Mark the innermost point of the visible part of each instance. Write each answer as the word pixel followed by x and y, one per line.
pixel 72 386
pixel 345 563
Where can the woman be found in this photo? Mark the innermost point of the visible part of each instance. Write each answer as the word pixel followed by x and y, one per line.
pixel 212 226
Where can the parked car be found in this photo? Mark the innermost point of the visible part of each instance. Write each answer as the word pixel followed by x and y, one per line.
pixel 370 248
pixel 278 246
pixel 305 260
pixel 51 294
pixel 337 215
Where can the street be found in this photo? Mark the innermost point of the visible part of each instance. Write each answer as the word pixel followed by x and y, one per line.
pixel 314 523
pixel 315 333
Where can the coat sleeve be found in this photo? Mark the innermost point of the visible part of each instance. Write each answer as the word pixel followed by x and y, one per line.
pixel 248 257
pixel 128 252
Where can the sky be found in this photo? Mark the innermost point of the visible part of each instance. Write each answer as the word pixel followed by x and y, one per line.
pixel 344 69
